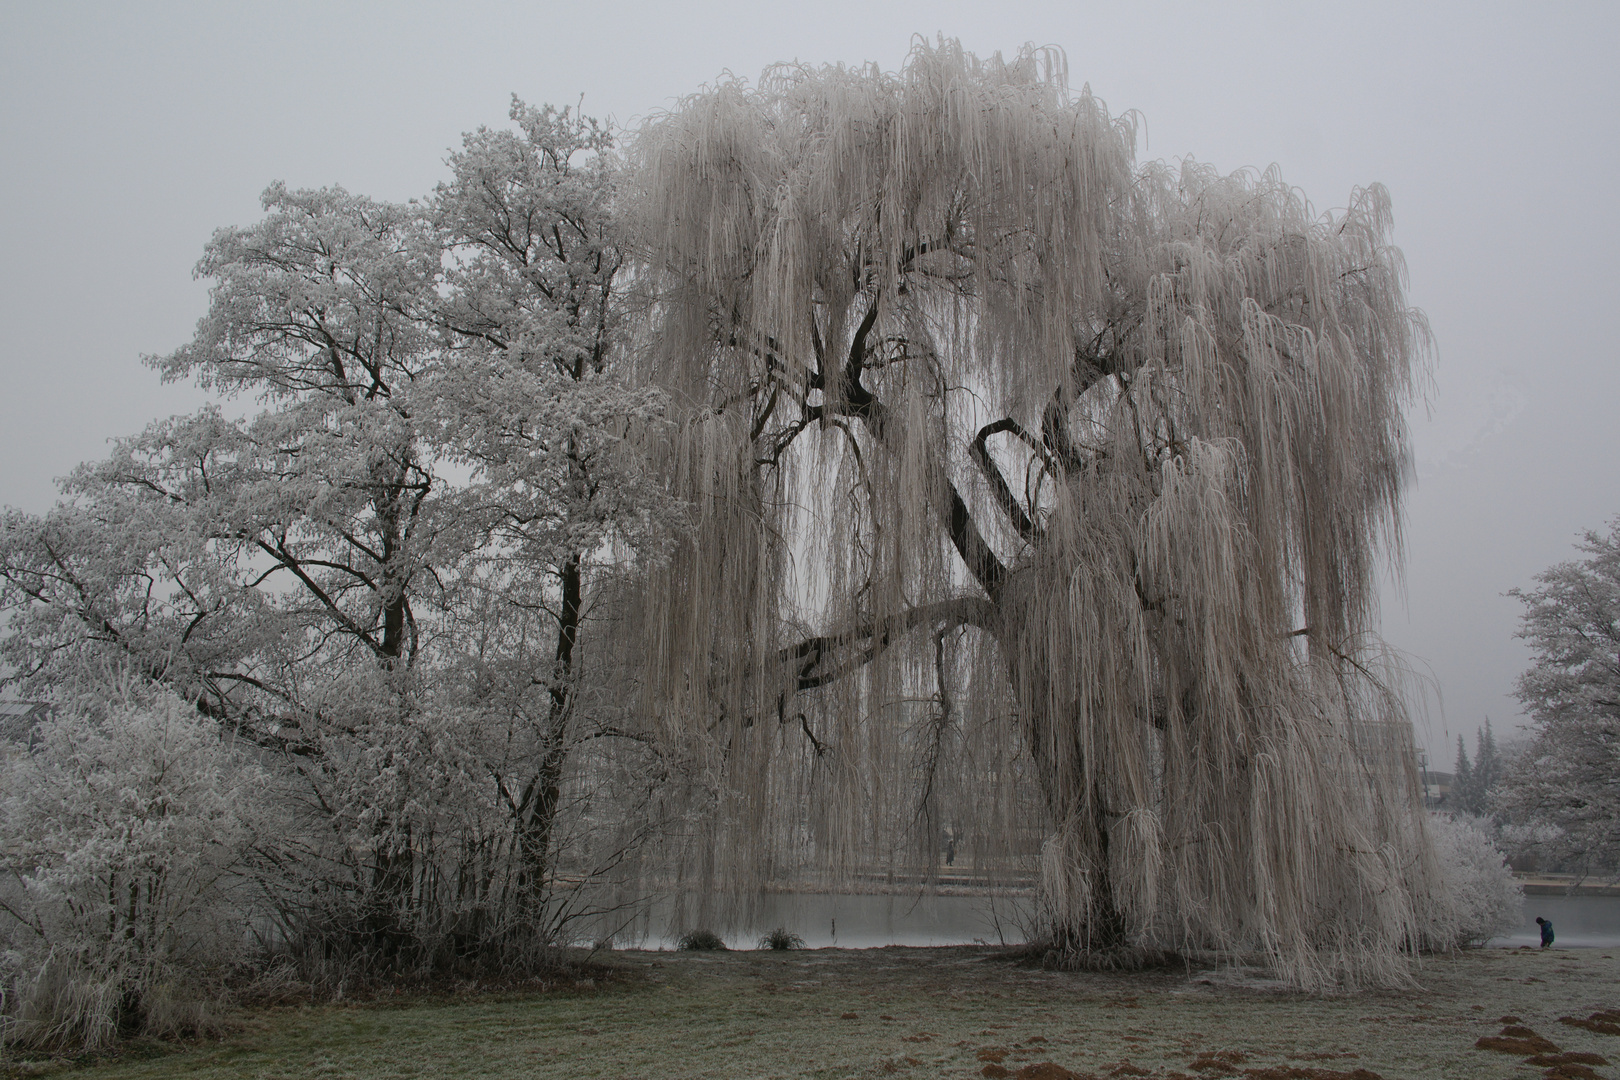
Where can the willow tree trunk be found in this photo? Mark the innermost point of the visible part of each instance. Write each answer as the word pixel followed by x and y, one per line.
pixel 1076 889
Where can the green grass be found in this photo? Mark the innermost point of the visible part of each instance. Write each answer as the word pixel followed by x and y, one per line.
pixel 908 1012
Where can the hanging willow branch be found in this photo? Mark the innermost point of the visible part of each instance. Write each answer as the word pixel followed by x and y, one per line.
pixel 1203 382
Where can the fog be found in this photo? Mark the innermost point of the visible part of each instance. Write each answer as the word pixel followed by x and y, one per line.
pixel 131 133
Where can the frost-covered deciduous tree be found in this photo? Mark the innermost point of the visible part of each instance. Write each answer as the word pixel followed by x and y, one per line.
pixel 532 398
pixel 235 559
pixel 255 565
pixel 385 578
pixel 996 438
pixel 1481 899
pixel 1568 777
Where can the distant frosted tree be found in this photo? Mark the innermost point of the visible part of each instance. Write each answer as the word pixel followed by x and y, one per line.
pixel 1568 778
pixel 1001 444
pixel 1462 778
pixel 1487 770
pixel 1487 761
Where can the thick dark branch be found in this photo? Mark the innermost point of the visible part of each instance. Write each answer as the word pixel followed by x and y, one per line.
pixel 970 544
pixel 1092 364
pixel 610 731
pixel 342 568
pixel 765 414
pixel 998 484
pixel 804 725
pixel 248 680
pixel 1055 431
pixel 938 724
pixel 870 639
pixel 989 570
pixel 857 345
pixel 153 486
pixel 286 559
pixel 860 402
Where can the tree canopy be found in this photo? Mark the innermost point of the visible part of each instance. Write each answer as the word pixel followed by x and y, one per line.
pixel 1003 448
pixel 1569 775
pixel 935 474
pixel 384 578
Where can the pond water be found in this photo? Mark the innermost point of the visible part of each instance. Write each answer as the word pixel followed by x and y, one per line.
pixel 859 921
pixel 1591 922
pixel 864 921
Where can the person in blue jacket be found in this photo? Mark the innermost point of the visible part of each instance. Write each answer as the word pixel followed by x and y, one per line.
pixel 1546 931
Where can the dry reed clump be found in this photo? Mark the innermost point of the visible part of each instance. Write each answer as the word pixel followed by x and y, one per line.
pixel 701 941
pixel 86 1003
pixel 1037 502
pixel 780 939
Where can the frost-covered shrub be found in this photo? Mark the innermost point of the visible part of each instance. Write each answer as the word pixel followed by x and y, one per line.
pixel 434 834
pixel 1538 845
pixel 124 834
pixel 392 797
pixel 1478 898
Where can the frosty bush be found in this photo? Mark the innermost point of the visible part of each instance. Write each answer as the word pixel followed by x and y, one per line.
pixel 411 812
pixel 124 832
pixel 1479 898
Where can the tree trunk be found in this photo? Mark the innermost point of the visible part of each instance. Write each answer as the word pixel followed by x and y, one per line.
pixel 1077 887
pixel 386 929
pixel 537 809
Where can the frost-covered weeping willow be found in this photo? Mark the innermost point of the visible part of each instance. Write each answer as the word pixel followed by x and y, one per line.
pixel 1025 476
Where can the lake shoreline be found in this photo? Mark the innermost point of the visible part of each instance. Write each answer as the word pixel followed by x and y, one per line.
pixel 997 918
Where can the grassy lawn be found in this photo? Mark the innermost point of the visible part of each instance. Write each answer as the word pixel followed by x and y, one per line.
pixel 958 1012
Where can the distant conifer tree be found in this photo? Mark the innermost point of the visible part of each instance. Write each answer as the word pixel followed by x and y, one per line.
pixel 1487 770
pixel 1462 783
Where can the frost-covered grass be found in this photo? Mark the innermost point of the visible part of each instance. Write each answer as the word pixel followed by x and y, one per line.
pixel 915 1012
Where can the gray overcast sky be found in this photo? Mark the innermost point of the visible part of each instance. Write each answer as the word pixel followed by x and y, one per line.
pixel 129 132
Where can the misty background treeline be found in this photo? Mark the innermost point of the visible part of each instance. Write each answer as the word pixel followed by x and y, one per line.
pixel 468 638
